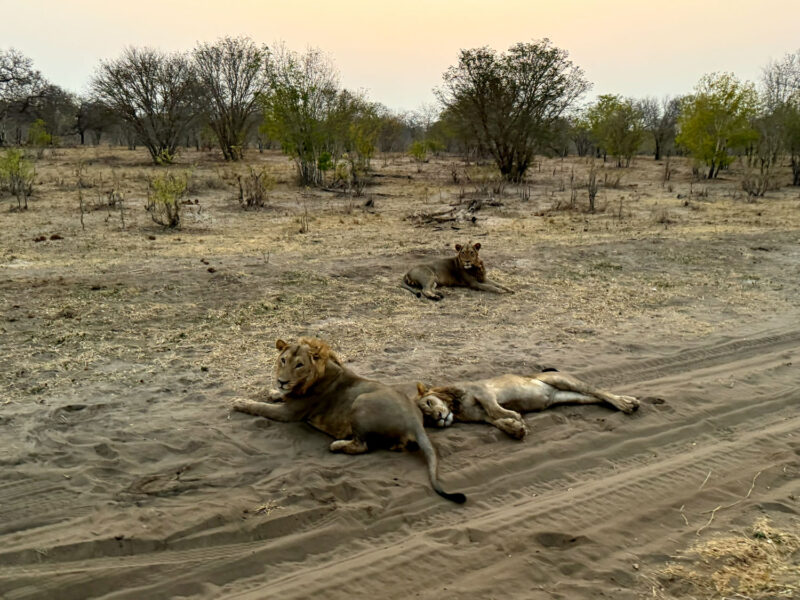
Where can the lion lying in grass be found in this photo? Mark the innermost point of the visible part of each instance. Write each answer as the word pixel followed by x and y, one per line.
pixel 500 400
pixel 465 269
pixel 361 414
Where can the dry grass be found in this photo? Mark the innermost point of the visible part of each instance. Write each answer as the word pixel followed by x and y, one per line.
pixel 761 564
pixel 112 306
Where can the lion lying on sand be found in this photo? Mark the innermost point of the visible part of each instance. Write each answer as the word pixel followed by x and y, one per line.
pixel 361 414
pixel 465 269
pixel 500 400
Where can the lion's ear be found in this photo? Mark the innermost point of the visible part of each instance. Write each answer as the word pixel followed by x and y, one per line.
pixel 421 388
pixel 477 246
pixel 458 247
pixel 280 344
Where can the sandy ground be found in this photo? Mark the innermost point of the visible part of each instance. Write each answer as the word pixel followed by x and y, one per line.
pixel 124 475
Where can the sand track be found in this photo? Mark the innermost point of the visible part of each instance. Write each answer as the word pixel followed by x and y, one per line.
pixel 569 510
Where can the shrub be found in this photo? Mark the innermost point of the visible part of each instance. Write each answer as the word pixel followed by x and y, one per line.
pixel 254 187
pixel 16 175
pixel 164 196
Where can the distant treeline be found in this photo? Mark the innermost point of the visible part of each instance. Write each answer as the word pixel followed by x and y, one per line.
pixel 235 95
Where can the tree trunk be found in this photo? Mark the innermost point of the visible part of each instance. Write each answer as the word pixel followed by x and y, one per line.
pixel 796 169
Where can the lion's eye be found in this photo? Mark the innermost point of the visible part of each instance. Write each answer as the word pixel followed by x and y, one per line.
pixel 428 403
pixel 283 361
pixel 298 365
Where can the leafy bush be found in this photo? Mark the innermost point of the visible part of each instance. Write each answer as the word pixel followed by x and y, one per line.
pixel 16 175
pixel 164 197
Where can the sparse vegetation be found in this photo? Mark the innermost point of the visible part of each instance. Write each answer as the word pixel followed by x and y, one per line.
pixel 17 175
pixel 165 194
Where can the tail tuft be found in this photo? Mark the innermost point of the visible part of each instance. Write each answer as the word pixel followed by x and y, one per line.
pixel 456 497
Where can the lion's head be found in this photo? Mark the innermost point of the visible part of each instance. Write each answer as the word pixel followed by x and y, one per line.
pixel 434 408
pixel 301 364
pixel 469 260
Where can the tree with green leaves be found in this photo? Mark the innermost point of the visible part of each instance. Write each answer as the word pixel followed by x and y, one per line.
pixel 717 120
pixel 511 101
pixel 617 127
pixel 300 106
pixel 232 75
pixel 154 93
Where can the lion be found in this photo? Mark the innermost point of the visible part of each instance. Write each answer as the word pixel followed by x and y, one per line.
pixel 465 269
pixel 500 400
pixel 314 386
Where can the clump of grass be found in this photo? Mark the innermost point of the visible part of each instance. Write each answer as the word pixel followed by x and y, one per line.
pixel 759 565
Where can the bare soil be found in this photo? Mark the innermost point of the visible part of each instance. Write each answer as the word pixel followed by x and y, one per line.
pixel 124 474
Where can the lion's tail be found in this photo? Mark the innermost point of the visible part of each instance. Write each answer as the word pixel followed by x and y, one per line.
pixel 424 443
pixel 413 290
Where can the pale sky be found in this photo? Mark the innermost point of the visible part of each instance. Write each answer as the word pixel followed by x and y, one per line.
pixel 397 50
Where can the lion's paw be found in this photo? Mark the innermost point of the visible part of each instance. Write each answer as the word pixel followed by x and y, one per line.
pixel 628 404
pixel 513 427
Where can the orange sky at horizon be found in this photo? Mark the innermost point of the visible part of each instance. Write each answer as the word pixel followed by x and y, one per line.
pixel 398 51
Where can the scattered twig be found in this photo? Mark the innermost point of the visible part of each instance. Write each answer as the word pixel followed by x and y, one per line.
pixel 714 511
pixel 683 515
pixel 704 481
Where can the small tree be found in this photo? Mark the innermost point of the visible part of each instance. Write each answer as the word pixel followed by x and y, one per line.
pixel 616 126
pixel 38 137
pixel 660 120
pixel 17 174
pixel 298 107
pixel 716 120
pixel 165 195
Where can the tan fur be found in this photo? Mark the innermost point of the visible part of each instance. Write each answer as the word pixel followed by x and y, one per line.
pixel 500 400
pixel 314 386
pixel 465 269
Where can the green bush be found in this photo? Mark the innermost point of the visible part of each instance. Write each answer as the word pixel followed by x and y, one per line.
pixel 38 137
pixel 16 175
pixel 164 198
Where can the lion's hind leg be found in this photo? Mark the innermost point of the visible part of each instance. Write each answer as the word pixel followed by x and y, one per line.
pixel 424 278
pixel 566 383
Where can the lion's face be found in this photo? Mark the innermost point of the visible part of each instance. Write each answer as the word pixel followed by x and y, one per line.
pixel 297 367
pixel 468 255
pixel 434 409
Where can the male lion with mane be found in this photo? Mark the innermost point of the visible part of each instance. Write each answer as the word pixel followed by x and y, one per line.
pixel 465 269
pixel 500 400
pixel 314 386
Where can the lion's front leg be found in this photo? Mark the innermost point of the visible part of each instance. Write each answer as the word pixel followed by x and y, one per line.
pixel 278 411
pixel 505 420
pixel 491 286
pixel 354 446
pixel 516 428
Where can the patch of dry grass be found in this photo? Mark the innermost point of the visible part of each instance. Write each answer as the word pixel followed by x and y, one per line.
pixel 762 564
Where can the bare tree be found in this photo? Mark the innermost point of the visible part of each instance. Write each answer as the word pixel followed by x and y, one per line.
pixel 781 92
pixel 660 120
pixel 232 75
pixel 20 84
pixel 512 100
pixel 153 92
